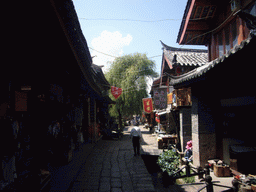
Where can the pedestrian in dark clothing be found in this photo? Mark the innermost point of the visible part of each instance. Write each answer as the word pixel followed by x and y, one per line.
pixel 188 151
pixel 136 138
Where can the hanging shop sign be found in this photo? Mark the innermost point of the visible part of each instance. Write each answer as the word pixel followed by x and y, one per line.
pixel 169 98
pixel 25 88
pixel 147 105
pixel 160 98
pixel 116 92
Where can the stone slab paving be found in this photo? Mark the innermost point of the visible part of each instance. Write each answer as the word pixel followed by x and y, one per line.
pixel 111 166
pixel 149 144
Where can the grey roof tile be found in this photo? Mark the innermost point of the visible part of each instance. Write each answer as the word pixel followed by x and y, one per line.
pixel 188 57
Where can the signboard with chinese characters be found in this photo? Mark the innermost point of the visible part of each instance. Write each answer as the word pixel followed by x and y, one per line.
pixel 160 98
pixel 169 98
pixel 182 97
pixel 147 105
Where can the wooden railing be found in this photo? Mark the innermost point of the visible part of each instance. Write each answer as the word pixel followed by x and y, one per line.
pixel 202 173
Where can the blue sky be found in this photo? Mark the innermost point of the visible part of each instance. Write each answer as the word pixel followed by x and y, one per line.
pixel 106 29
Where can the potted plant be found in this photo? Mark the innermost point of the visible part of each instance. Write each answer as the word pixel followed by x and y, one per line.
pixel 168 162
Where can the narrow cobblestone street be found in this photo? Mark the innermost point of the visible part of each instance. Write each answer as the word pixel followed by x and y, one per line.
pixel 111 166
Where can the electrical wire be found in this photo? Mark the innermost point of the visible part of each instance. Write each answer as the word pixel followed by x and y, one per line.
pixel 232 14
pixel 117 56
pixel 127 89
pixel 102 19
pixel 134 20
pixel 137 20
pixel 103 53
pixel 181 45
pixel 118 74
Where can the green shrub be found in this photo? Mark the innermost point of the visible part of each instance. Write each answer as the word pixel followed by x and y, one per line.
pixel 188 179
pixel 168 161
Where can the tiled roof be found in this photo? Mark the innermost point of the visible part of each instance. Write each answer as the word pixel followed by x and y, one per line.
pixel 189 57
pixel 190 77
pixel 100 77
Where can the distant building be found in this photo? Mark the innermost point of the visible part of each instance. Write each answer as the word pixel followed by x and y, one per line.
pixel 175 114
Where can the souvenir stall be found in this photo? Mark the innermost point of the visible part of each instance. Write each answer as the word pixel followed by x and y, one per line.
pixel 45 87
pixel 36 129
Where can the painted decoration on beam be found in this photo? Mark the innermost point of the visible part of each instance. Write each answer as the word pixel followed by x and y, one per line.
pixel 116 92
pixel 147 105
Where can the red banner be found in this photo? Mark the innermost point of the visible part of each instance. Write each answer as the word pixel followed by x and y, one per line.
pixel 116 92
pixel 147 105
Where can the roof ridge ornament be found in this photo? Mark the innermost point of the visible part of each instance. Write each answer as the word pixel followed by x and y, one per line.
pixel 182 49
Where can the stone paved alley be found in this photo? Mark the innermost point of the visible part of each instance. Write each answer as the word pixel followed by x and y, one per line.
pixel 111 166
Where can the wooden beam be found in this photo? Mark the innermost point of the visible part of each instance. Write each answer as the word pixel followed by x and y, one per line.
pixel 187 20
pixel 205 3
pixel 198 26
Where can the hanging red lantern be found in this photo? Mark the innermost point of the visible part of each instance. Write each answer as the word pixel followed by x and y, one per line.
pixel 157 118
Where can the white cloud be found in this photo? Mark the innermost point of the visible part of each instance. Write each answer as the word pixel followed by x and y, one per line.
pixel 111 44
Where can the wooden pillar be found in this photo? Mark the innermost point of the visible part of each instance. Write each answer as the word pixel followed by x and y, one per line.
pixel 92 118
pixel 241 35
pixel 94 121
pixel 185 126
pixel 89 111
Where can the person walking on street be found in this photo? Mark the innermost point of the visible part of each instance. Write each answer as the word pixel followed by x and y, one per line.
pixel 136 138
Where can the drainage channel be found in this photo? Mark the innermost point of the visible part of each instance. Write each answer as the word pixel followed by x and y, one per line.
pixel 151 163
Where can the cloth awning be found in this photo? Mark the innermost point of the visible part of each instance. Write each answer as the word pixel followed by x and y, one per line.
pixel 163 112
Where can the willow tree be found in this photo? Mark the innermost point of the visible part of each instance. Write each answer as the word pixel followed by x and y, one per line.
pixel 131 73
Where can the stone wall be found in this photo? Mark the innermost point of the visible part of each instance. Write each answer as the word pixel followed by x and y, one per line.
pixel 203 131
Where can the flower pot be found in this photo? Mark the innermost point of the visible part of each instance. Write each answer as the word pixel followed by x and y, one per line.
pixel 167 180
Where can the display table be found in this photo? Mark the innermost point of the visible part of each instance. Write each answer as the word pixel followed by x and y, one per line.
pixel 166 140
pixel 221 171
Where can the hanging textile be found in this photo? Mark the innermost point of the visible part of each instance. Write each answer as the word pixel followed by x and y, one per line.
pixel 147 105
pixel 116 92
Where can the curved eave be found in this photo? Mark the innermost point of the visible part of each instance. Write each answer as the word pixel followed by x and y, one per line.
pixel 69 22
pixel 197 74
pixel 185 20
pixel 169 48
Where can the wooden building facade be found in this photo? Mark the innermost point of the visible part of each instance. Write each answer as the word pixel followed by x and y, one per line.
pixel 48 75
pixel 222 98
pixel 175 63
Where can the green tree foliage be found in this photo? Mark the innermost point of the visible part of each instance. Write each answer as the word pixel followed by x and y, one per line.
pixel 131 73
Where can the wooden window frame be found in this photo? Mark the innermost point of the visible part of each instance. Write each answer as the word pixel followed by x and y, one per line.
pixel 240 36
